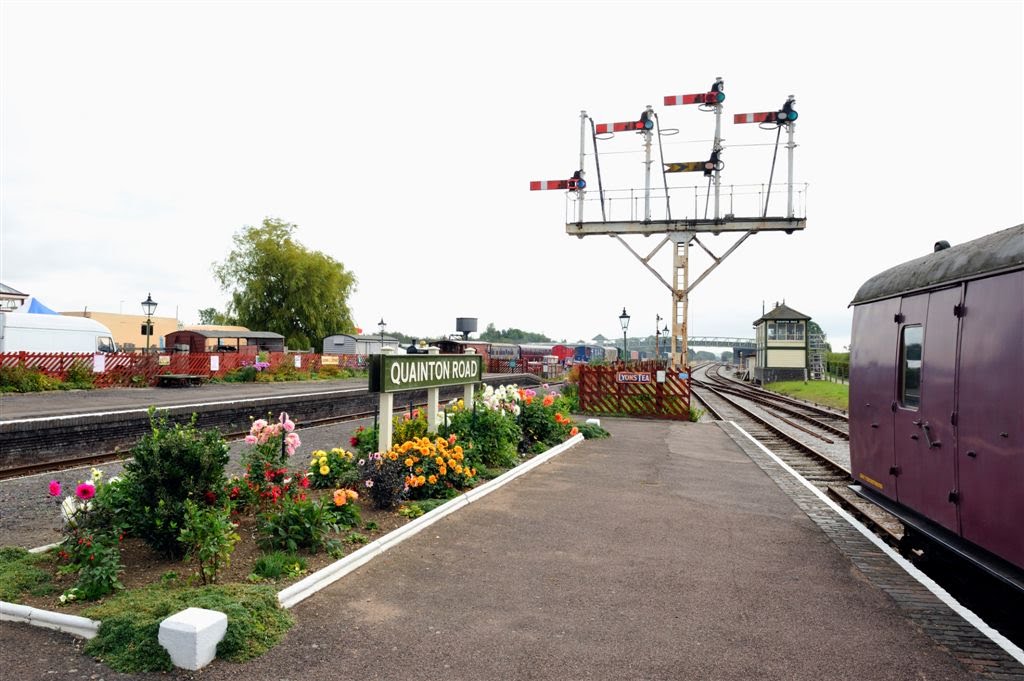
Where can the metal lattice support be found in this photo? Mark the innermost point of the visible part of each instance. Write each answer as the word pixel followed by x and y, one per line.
pixel 817 354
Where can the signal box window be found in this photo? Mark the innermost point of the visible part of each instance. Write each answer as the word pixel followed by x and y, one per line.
pixel 910 366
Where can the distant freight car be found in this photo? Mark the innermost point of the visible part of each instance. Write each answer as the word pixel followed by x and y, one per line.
pixel 937 397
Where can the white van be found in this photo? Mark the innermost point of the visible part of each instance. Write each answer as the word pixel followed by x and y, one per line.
pixel 27 332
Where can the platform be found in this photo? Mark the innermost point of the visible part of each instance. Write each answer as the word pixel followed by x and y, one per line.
pixel 669 551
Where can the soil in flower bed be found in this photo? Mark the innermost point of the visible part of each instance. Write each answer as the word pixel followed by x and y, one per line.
pixel 143 566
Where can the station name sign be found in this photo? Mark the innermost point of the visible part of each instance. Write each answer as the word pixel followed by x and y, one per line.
pixel 395 373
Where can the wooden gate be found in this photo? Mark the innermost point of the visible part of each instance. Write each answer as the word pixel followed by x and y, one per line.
pixel 634 390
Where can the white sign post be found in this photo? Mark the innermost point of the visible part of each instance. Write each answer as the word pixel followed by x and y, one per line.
pixel 470 388
pixel 385 429
pixel 433 394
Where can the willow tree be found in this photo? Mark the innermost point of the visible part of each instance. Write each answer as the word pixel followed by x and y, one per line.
pixel 277 284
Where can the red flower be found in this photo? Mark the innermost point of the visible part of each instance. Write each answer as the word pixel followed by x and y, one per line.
pixel 354 441
pixel 304 482
pixel 211 497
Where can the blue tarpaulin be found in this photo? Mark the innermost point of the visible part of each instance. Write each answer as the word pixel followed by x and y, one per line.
pixel 35 307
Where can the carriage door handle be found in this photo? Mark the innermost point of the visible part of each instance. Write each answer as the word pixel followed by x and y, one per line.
pixel 928 436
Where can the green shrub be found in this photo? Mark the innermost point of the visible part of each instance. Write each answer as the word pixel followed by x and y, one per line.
pixel 127 639
pixel 96 557
pixel 209 537
pixel 241 375
pixel 171 464
pixel 488 437
pixel 296 524
pixel 79 375
pixel 543 426
pixel 592 431
pixel 278 564
pixel 21 379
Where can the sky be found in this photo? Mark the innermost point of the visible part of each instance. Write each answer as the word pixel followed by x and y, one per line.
pixel 136 138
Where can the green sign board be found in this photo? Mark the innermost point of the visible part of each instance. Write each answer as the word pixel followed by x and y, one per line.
pixel 395 373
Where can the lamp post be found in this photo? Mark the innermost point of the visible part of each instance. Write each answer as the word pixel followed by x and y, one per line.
pixel 664 332
pixel 383 325
pixel 624 321
pixel 149 307
pixel 657 336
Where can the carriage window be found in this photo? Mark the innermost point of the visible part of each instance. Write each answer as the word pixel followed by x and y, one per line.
pixel 910 366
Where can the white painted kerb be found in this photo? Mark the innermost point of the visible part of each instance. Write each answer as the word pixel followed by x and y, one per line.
pixel 71 624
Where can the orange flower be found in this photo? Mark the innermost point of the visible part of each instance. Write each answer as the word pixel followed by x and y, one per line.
pixel 409 462
pixel 432 479
pixel 340 498
pixel 421 480
pixel 393 456
pixel 439 461
pixel 351 494
pixel 442 470
pixel 574 432
pixel 549 400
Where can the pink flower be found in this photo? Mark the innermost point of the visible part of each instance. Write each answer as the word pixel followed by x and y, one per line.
pixel 54 488
pixel 369 483
pixel 289 426
pixel 250 439
pixel 283 417
pixel 85 491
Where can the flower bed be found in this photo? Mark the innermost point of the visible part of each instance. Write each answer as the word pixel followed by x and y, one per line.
pixel 174 524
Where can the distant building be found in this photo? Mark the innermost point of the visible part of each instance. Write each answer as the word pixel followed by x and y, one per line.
pixel 781 339
pixel 11 299
pixel 128 328
pixel 348 344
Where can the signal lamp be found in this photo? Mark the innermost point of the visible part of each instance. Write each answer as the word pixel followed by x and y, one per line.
pixel 713 164
pixel 787 114
pixel 645 121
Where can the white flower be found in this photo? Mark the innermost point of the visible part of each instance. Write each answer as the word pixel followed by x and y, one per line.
pixel 96 475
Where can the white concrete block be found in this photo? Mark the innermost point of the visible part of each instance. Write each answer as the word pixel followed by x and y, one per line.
pixel 596 422
pixel 191 636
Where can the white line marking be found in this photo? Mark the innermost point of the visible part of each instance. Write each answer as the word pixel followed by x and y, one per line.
pixel 1007 645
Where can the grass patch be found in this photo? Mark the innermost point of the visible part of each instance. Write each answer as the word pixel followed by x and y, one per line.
pixel 127 640
pixel 822 392
pixel 21 572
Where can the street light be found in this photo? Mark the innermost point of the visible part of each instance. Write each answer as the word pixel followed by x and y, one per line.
pixel 149 307
pixel 657 336
pixel 382 326
pixel 624 321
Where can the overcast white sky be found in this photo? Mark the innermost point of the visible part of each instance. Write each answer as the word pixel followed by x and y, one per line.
pixel 138 137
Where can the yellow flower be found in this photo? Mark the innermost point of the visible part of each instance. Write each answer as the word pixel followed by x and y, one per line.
pixel 439 461
pixel 451 463
pixel 323 460
pixel 324 470
pixel 319 454
pixel 409 462
pixel 352 494
pixel 419 469
pixel 458 451
pixel 442 470
pixel 348 455
pixel 312 462
pixel 458 469
pixel 420 480
pixel 432 479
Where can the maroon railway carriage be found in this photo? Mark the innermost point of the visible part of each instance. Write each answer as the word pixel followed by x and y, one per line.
pixel 937 397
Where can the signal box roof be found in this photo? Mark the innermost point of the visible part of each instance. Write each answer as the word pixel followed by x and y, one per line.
pixel 781 312
pixel 999 252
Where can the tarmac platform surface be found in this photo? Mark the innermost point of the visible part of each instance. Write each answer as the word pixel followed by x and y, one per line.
pixel 664 552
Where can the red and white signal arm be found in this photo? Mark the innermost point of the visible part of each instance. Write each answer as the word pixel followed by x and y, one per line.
pixel 761 117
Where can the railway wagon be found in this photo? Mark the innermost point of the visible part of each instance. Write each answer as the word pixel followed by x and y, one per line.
pixel 563 353
pixel 451 346
pixel 937 397
pixel 588 353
